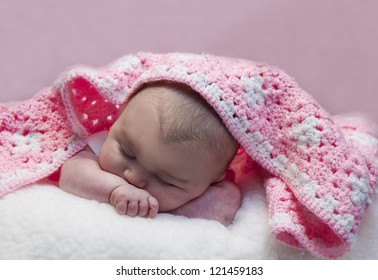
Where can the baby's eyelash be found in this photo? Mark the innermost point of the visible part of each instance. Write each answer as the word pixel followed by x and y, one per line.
pixel 164 182
pixel 126 154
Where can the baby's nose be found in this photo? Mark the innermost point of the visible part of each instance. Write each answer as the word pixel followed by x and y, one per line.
pixel 135 177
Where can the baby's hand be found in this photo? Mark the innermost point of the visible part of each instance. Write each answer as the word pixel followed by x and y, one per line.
pixel 131 201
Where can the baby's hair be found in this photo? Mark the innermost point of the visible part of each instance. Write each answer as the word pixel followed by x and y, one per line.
pixel 185 118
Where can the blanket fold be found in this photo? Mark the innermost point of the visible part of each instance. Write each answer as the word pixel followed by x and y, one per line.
pixel 320 171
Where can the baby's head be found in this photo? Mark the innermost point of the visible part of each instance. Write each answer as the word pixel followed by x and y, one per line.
pixel 188 120
pixel 170 142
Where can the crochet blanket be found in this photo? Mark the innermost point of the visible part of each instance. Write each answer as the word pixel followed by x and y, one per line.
pixel 319 176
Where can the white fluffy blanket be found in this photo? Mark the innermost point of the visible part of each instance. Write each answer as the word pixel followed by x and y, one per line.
pixel 43 222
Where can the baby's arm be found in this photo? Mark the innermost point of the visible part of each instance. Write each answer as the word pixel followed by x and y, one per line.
pixel 82 175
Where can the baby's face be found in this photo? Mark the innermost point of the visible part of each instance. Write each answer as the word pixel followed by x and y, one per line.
pixel 135 150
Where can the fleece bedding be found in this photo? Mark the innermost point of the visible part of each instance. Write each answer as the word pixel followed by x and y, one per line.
pixel 41 221
pixel 319 172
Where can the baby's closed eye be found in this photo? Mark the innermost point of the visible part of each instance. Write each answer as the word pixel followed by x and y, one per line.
pixel 164 181
pixel 126 152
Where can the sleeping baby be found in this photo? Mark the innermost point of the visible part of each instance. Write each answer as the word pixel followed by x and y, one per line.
pixel 170 147
pixel 167 152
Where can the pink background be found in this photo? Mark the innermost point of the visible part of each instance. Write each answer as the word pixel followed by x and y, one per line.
pixel 329 46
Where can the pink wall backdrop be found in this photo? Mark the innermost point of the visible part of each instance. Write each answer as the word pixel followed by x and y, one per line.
pixel 329 46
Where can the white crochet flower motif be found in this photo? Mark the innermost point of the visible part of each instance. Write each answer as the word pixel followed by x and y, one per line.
pixel 107 83
pixel 214 91
pixel 360 190
pixel 264 149
pixel 282 219
pixel 280 162
pixel 300 179
pixel 200 79
pixel 346 222
pixel 30 143
pixel 158 70
pixel 306 132
pixel 179 70
pixel 9 177
pixel 328 204
pixel 253 86
pixel 127 63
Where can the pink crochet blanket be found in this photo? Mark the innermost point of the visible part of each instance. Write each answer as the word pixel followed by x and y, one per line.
pixel 320 172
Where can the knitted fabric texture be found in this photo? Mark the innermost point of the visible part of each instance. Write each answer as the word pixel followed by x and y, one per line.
pixel 320 173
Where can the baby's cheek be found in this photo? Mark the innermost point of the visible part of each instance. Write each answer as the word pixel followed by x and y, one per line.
pixel 108 162
pixel 102 161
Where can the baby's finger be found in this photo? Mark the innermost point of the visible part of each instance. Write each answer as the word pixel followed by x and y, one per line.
pixel 143 208
pixel 132 208
pixel 121 207
pixel 153 207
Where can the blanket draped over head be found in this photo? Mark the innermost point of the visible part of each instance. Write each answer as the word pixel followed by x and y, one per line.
pixel 320 172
